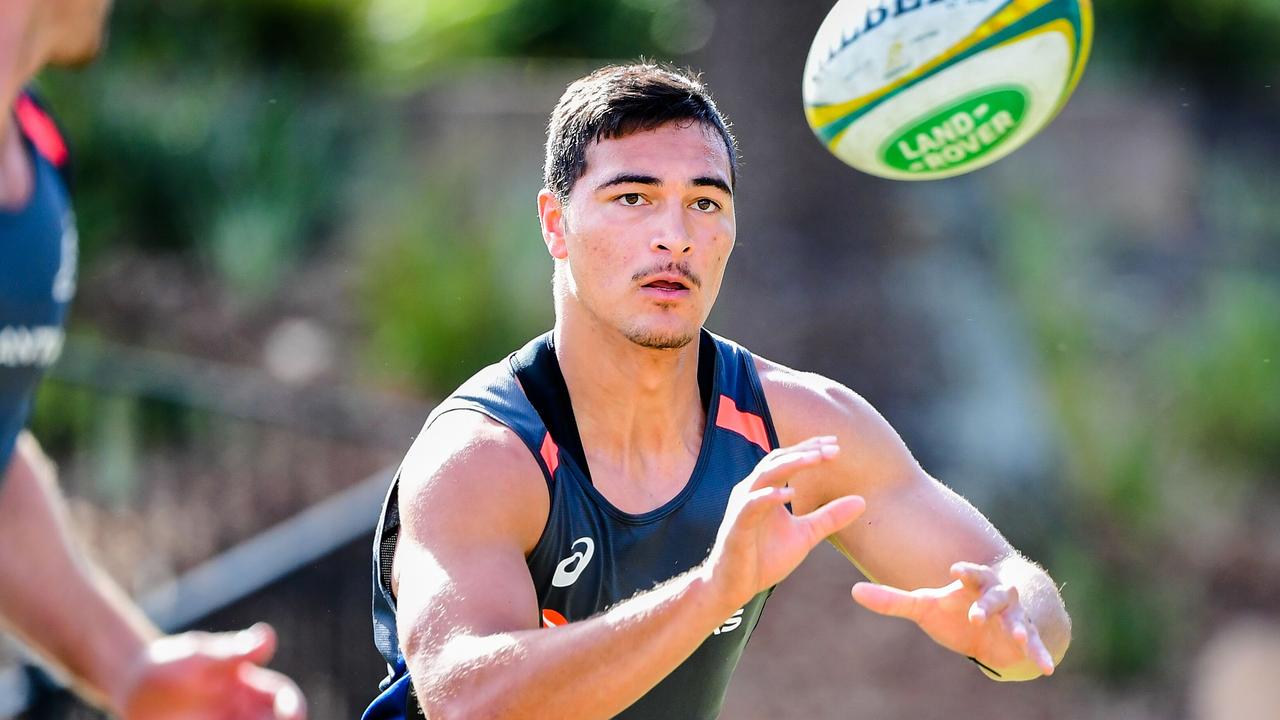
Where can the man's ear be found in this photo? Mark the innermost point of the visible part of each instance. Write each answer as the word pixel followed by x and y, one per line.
pixel 551 215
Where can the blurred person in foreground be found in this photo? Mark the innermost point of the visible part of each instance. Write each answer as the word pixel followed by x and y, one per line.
pixel 51 595
pixel 591 527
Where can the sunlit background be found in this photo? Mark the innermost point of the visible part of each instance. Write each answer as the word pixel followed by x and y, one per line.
pixel 304 221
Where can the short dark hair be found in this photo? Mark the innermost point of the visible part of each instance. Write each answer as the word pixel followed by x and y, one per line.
pixel 618 100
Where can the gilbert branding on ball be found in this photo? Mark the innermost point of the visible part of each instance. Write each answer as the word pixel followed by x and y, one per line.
pixel 927 89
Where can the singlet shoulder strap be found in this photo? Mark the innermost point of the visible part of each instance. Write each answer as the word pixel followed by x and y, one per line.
pixel 538 372
pixel 748 411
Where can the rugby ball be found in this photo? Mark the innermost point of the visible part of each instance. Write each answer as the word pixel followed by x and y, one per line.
pixel 929 89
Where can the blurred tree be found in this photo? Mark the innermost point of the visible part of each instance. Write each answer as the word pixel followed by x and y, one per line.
pixel 1224 46
pixel 410 40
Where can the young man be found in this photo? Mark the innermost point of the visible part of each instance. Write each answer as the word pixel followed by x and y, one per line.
pixel 50 595
pixel 591 528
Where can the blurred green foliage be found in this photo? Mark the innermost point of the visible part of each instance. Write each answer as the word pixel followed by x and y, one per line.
pixel 232 134
pixel 1225 363
pixel 1165 393
pixel 449 289
pixel 409 39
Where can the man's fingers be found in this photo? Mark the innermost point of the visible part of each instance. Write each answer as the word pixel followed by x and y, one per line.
pixel 778 466
pixel 977 615
pixel 1024 633
pixel 262 654
pixel 225 650
pixel 275 691
pixel 974 576
pixel 993 602
pixel 1039 652
pixel 888 600
pixel 778 469
pixel 760 502
pixel 834 516
pixel 290 704
pixel 256 644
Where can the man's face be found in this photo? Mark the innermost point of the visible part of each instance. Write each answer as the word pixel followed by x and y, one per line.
pixel 76 31
pixel 647 232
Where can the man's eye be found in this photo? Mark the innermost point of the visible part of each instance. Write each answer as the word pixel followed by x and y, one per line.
pixel 631 199
pixel 706 204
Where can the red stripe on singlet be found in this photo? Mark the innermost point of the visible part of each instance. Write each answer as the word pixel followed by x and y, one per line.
pixel 748 425
pixel 550 454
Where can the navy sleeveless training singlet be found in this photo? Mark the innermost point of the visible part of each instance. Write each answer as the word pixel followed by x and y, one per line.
pixel 592 555
pixel 37 272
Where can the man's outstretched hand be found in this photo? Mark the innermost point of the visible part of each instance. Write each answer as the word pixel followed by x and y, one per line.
pixel 977 615
pixel 760 541
pixel 202 676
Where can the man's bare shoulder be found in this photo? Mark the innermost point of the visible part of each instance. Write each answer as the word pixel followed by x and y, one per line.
pixel 468 473
pixel 805 404
pixel 872 459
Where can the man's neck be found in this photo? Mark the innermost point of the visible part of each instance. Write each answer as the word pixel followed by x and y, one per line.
pixel 632 404
pixel 18 64
pixel 16 173
pixel 22 45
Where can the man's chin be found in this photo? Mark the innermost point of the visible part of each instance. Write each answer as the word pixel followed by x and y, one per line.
pixel 78 57
pixel 661 339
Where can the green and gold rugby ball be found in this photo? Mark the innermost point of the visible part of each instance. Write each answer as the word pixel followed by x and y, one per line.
pixel 929 89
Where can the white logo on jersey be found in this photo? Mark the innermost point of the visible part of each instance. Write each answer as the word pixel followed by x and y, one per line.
pixel 64 283
pixel 570 568
pixel 731 624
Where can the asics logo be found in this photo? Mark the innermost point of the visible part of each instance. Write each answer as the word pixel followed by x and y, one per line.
pixel 551 618
pixel 734 621
pixel 570 568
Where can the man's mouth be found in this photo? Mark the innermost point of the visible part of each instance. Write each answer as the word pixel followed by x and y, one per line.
pixel 667 285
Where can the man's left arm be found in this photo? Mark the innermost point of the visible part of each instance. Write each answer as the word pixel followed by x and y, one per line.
pixel 931 556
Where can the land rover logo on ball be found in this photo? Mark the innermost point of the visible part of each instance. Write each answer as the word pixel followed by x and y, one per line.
pixel 960 134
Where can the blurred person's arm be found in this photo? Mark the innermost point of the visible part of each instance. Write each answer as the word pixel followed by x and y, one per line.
pixel 931 556
pixel 473 503
pixel 69 611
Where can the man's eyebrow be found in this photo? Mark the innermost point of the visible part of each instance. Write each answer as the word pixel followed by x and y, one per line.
pixel 638 179
pixel 629 179
pixel 706 181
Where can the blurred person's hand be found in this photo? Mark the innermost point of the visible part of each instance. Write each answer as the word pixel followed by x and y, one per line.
pixel 203 676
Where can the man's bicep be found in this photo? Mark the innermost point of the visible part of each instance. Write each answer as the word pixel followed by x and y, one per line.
pixel 472 502
pixel 471 588
pixel 914 528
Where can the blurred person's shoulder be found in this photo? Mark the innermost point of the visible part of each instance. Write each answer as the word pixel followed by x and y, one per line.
pixel 42 130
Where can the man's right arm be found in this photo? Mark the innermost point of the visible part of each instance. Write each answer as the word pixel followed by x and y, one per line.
pixel 69 611
pixel 473 504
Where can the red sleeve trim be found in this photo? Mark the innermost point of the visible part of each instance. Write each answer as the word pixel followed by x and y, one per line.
pixel 41 130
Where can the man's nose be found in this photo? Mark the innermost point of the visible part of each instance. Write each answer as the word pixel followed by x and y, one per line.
pixel 673 236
